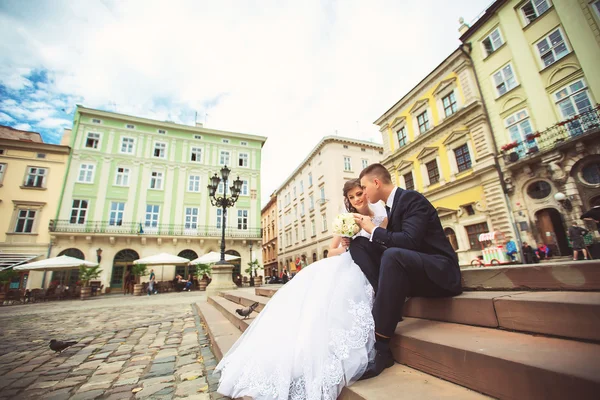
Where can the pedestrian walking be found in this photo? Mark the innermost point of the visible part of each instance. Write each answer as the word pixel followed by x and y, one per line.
pixel 151 283
pixel 576 234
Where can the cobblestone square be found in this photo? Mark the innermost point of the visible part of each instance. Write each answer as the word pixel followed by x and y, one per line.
pixel 127 348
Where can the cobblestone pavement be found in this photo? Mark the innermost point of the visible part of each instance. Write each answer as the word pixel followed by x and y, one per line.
pixel 128 348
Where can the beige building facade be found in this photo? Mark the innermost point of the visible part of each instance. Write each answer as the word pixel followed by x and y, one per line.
pixel 311 197
pixel 537 64
pixel 269 240
pixel 31 176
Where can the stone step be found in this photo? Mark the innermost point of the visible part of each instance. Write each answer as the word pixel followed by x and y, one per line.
pixel 227 309
pixel 244 298
pixel 411 383
pixel 574 315
pixel 267 290
pixel 574 275
pixel 502 364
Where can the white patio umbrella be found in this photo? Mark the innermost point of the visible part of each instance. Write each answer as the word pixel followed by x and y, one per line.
pixel 56 264
pixel 162 259
pixel 211 258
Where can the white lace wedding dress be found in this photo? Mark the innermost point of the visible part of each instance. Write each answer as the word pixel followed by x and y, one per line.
pixel 314 337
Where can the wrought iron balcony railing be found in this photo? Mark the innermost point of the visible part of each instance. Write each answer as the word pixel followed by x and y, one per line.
pixel 584 124
pixel 151 229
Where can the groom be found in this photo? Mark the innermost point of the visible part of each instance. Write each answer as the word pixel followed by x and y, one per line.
pixel 411 257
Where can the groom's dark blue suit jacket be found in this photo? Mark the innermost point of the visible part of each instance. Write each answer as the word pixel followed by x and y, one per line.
pixel 413 224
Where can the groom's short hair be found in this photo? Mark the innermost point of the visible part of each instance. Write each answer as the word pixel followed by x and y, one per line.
pixel 377 171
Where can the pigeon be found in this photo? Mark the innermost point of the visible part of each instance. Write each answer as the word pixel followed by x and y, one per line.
pixel 246 311
pixel 59 346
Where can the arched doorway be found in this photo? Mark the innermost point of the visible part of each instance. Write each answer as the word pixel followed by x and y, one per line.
pixel 325 253
pixel 451 236
pixel 185 270
pixel 551 229
pixel 314 257
pixel 71 276
pixel 237 264
pixel 122 263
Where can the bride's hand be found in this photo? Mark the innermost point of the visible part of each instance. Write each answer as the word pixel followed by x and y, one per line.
pixel 364 222
pixel 346 242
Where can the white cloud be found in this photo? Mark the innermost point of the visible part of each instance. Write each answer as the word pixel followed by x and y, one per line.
pixel 292 71
pixel 54 123
pixel 5 117
pixel 23 127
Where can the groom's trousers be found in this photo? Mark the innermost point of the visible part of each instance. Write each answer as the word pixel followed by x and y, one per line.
pixel 395 274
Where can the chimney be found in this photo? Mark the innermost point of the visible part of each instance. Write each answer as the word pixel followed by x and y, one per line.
pixel 199 125
pixel 463 27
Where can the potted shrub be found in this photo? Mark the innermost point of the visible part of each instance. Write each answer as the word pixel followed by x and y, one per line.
pixel 138 270
pixel 5 278
pixel 87 274
pixel 252 270
pixel 204 271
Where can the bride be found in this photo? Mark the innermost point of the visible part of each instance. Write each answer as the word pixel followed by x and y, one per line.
pixel 316 334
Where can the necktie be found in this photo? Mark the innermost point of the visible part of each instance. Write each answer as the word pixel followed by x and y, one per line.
pixel 387 210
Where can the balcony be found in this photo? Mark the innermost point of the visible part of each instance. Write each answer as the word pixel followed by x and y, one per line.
pixel 141 229
pixel 580 126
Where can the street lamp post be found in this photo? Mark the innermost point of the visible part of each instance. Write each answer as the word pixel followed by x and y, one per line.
pixel 224 202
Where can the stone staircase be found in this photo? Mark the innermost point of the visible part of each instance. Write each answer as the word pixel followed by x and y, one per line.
pixel 517 332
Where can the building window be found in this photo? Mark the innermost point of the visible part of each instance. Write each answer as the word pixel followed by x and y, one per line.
pixel 463 158
pixel 219 218
pixel 313 228
pixel 345 146
pixel 152 214
pixel 25 220
pixel 596 7
pixel 504 80
pixel 492 42
pixel 302 209
pixel 518 126
pixel 78 211
pixel 36 177
pixel 199 137
pixel 409 183
pixel 191 218
pixel 296 235
pixel 86 173
pixel 243 160
pixel 196 154
pixel 129 126
pixel 224 158
pixel 473 232
pixel 552 48
pixel 311 203
pixel 533 9
pixel 402 137
pixel 156 180
pixel 117 209
pixel 162 132
pixel 41 155
pixel 433 172
pixel 322 190
pixel 225 140
pixel 591 173
pixel 324 218
pixel 573 99
pixel 301 187
pixel 309 179
pixel 539 190
pixel 449 103
pixel 365 163
pixel 423 121
pixel 2 169
pixel 244 191
pixel 469 209
pixel 96 121
pixel 303 231
pixel 93 140
pixel 127 145
pixel 122 177
pixel 194 183
pixel 347 164
pixel 242 219
pixel 243 143
pixel 451 236
pixel 160 150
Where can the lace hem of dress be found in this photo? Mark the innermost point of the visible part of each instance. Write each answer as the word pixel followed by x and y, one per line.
pixel 341 343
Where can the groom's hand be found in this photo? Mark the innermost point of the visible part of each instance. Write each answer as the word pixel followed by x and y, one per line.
pixel 364 222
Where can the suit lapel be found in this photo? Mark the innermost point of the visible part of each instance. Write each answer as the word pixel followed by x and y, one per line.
pixel 394 207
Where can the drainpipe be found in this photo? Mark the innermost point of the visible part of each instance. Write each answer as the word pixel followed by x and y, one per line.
pixel 466 48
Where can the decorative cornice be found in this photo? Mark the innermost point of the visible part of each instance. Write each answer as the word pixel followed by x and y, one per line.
pixel 455 135
pixel 443 85
pixel 426 152
pixel 418 105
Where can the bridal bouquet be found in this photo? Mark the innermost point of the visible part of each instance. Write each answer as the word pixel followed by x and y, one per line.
pixel 344 225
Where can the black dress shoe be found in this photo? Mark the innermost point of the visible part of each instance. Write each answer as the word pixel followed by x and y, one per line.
pixel 383 359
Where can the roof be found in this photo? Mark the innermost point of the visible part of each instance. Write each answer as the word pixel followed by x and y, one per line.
pixel 487 14
pixel 167 124
pixel 7 132
pixel 323 142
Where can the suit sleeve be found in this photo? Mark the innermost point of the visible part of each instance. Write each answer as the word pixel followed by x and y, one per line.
pixel 409 224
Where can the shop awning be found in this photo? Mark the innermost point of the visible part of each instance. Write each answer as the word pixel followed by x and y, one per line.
pixel 9 260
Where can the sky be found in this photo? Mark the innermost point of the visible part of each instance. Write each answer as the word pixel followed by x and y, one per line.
pixel 293 71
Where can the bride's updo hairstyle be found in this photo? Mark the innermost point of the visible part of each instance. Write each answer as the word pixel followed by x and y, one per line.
pixel 348 186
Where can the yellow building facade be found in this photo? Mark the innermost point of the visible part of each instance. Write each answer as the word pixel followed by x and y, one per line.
pixel 31 176
pixel 269 236
pixel 437 140
pixel 537 66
